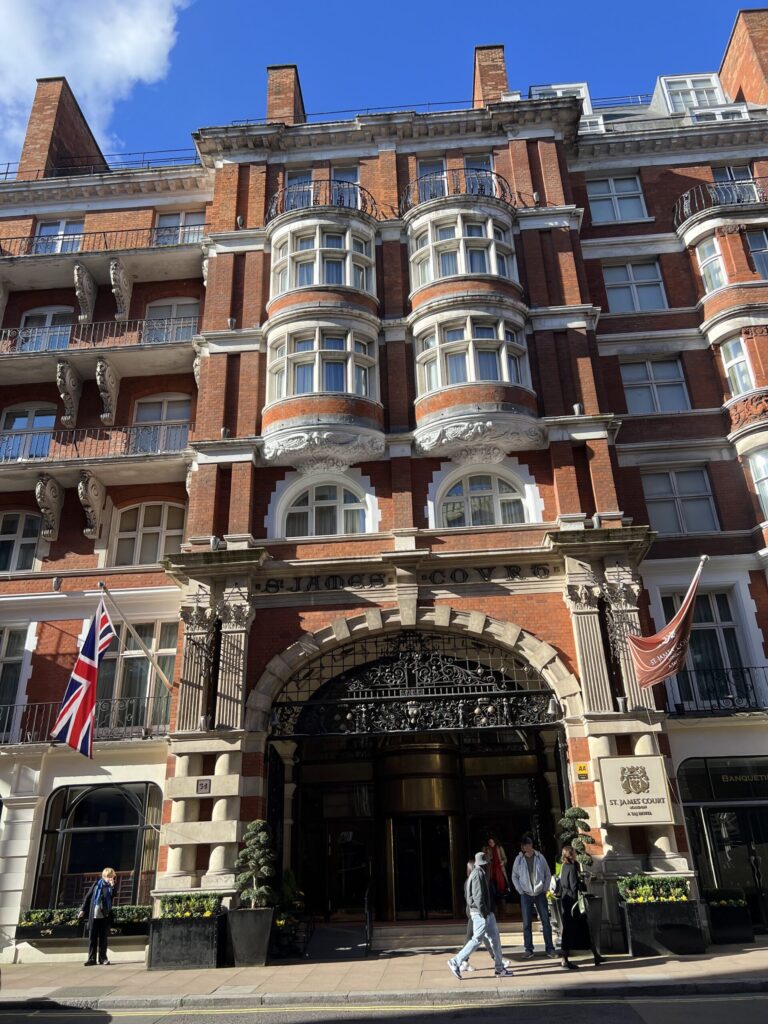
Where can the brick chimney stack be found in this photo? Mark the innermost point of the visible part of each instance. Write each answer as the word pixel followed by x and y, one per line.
pixel 58 137
pixel 490 79
pixel 744 71
pixel 284 100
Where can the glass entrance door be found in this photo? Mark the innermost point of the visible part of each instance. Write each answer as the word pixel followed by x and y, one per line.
pixel 739 847
pixel 422 863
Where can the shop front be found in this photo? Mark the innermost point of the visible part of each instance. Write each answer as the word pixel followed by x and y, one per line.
pixel 725 800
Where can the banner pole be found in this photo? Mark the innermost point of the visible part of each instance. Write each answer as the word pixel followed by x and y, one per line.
pixel 142 646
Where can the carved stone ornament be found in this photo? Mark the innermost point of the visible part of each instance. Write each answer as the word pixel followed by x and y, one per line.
pixel 198 617
pixel 4 292
pixel 729 229
pixel 482 453
pixel 92 494
pixel 622 594
pixel 70 388
pixel 108 383
pixel 759 331
pixel 750 409
pixel 49 495
pixel 122 286
pixel 190 467
pixel 85 289
pixel 337 446
pixel 196 368
pixel 495 437
pixel 583 596
pixel 205 272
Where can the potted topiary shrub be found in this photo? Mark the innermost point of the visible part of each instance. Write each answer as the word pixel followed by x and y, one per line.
pixel 729 916
pixel 190 932
pixel 659 915
pixel 250 926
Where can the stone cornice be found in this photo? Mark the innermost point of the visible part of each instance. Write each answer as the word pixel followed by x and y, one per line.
pixel 673 139
pixel 110 184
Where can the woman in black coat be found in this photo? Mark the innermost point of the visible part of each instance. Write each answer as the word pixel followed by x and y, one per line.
pixel 97 906
pixel 571 884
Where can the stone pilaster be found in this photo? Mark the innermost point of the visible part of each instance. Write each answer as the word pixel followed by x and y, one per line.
pixel 582 597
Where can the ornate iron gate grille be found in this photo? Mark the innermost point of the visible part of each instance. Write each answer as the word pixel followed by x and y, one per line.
pixel 411 682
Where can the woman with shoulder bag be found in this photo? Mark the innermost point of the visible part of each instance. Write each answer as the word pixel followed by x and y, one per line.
pixel 572 887
pixel 97 907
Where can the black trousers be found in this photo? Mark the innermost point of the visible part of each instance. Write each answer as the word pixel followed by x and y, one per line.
pixel 97 941
pixel 569 925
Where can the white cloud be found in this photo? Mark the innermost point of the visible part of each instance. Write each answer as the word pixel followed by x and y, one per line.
pixel 103 47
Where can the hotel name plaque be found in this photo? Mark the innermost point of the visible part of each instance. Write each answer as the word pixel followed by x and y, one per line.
pixel 635 791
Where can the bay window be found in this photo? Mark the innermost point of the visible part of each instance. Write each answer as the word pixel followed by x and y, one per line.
pixel 738 371
pixel 471 350
pixel 337 255
pixel 322 360
pixel 464 243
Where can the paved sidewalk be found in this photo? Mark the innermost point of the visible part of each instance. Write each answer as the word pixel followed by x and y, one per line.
pixel 418 978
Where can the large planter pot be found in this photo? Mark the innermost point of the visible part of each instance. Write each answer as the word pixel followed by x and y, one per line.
pixel 730 924
pixel 182 943
pixel 130 928
pixel 249 932
pixel 655 929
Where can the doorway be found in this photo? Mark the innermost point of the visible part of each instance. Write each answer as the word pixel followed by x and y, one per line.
pixel 738 839
pixel 422 867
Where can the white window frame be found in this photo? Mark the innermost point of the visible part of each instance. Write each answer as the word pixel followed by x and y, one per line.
pixel 726 112
pixel 579 90
pixel 314 504
pixel 516 494
pixel 341 176
pixel 127 709
pixel 164 533
pixel 151 436
pixel 33 442
pixel 690 83
pixel 759 255
pixel 434 347
pixel 20 542
pixel 635 284
pixel 678 498
pixel 758 467
pixel 711 265
pixel 427 246
pixel 189 228
pixel 179 326
pixel 653 385
pixel 732 361
pixel 357 254
pixel 298 198
pixel 9 712
pixel 308 347
pixel 288 489
pixel 434 184
pixel 45 337
pixel 58 241
pixel 616 197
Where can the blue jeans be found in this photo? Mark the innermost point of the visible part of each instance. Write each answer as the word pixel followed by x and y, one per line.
pixel 527 904
pixel 482 927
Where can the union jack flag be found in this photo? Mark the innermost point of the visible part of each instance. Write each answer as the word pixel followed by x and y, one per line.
pixel 74 726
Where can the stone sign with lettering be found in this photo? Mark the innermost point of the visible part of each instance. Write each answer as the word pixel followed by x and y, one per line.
pixel 635 790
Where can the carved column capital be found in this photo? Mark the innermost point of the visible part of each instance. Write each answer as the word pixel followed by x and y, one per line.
pixel 108 383
pixel 583 597
pixel 70 389
pixel 85 289
pixel 122 286
pixel 92 494
pixel 49 495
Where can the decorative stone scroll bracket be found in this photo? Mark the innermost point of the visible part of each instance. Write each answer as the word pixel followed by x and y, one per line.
pixel 323 450
pixel 85 289
pixel 70 387
pixel 122 287
pixel 92 494
pixel 49 495
pixel 108 383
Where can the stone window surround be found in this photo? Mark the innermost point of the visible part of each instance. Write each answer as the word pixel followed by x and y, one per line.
pixel 290 487
pixel 510 469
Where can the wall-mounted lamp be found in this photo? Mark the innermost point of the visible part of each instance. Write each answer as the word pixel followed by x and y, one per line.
pixel 553 708
pixel 56 583
pixel 239 220
pixel 231 323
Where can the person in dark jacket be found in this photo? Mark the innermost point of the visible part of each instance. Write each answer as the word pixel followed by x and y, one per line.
pixel 571 884
pixel 478 897
pixel 97 907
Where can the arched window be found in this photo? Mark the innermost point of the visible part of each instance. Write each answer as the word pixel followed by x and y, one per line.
pixel 161 424
pixel 46 329
pixel 90 827
pixel 464 243
pixel 480 499
pixel 146 533
pixel 323 359
pixel 26 432
pixel 325 510
pixel 19 533
pixel 171 320
pixel 469 350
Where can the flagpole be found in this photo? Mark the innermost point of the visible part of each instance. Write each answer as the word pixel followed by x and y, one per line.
pixel 143 647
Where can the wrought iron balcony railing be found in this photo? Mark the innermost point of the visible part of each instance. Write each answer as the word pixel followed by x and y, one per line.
pixel 344 195
pixel 102 241
pixel 106 334
pixel 457 182
pixel 722 691
pixel 117 719
pixel 92 442
pixel 720 193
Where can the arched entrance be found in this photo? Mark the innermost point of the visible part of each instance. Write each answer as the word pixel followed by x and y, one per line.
pixel 393 756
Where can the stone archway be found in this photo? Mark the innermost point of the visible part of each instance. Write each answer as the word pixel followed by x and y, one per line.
pixel 378 621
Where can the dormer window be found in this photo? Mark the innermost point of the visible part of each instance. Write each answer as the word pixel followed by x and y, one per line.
pixel 729 112
pixel 551 92
pixel 688 92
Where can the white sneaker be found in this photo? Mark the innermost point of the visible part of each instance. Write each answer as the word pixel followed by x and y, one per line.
pixel 507 963
pixel 466 966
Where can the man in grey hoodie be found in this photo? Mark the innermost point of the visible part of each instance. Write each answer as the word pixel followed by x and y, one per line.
pixel 478 895
pixel 531 877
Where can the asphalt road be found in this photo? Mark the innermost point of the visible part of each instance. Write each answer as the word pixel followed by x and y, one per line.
pixel 748 1009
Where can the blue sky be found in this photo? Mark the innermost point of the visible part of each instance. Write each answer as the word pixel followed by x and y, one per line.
pixel 148 72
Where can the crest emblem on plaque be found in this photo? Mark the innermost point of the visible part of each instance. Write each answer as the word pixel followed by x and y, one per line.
pixel 634 779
